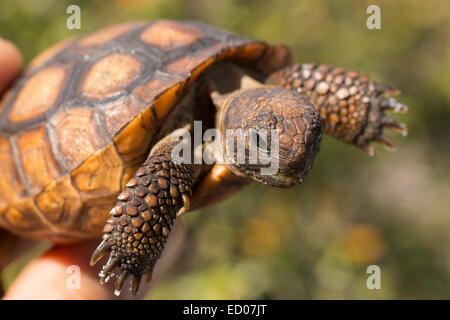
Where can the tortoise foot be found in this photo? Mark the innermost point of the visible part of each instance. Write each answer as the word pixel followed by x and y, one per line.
pixel 141 221
pixel 378 120
pixel 125 265
pixel 352 107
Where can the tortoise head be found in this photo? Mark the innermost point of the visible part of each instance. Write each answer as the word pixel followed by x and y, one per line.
pixel 270 135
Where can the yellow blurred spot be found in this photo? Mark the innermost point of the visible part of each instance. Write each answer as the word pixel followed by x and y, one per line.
pixel 364 244
pixel 279 218
pixel 259 238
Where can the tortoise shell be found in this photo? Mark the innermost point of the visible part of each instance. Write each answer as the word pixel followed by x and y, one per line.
pixel 80 121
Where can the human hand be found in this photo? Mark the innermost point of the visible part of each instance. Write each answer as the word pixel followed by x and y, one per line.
pixel 47 276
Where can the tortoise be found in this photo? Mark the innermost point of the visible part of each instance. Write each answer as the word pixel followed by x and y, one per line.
pixel 91 134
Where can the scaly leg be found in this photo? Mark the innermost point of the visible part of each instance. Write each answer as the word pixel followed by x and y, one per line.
pixel 352 107
pixel 141 220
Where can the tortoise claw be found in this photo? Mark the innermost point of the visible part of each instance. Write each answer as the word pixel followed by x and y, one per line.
pixel 186 204
pixel 381 138
pixel 387 103
pixel 148 276
pixel 120 282
pixel 392 104
pixel 395 125
pixel 103 248
pixel 384 88
pixel 370 150
pixel 135 281
pixel 106 272
pixel 379 120
pixel 385 141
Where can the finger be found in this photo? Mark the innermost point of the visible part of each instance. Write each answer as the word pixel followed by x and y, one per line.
pixel 10 64
pixel 64 273
pixel 47 276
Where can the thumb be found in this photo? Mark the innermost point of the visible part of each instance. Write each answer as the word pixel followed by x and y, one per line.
pixel 10 64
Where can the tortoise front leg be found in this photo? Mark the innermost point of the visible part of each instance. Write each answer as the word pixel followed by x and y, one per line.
pixel 352 106
pixel 141 220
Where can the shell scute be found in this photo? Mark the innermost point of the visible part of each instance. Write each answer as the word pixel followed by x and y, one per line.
pixel 24 217
pixel 149 90
pixel 93 218
pixel 38 94
pixel 110 75
pixel 11 187
pixel 134 140
pixel 169 34
pixel 38 164
pixel 100 175
pixel 106 34
pixel 78 135
pixel 115 115
pixel 60 201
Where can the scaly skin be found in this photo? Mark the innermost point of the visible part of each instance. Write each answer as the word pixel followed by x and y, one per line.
pixel 141 220
pixel 352 106
pixel 298 125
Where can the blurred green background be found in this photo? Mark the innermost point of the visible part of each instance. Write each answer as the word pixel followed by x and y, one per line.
pixel 317 239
